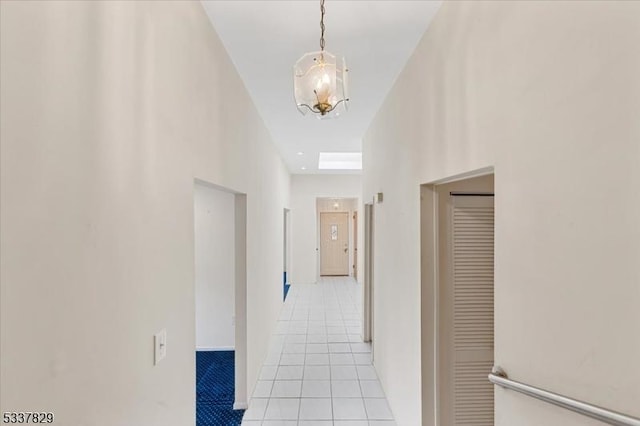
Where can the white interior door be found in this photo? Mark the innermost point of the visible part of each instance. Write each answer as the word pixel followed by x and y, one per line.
pixel 468 312
pixel 334 243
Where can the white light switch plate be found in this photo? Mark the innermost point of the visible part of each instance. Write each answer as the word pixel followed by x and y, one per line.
pixel 160 345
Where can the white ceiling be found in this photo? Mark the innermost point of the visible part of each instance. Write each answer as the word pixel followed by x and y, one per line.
pixel 265 39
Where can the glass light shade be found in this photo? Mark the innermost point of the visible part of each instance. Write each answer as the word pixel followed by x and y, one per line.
pixel 320 84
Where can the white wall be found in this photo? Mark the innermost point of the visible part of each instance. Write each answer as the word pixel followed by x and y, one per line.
pixel 548 94
pixel 305 189
pixel 109 111
pixel 214 215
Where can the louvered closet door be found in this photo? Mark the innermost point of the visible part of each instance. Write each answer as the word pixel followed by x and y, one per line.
pixel 472 231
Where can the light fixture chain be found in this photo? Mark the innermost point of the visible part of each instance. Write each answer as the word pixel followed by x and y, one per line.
pixel 322 25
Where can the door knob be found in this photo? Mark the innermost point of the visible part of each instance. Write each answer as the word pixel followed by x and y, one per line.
pixel 346 250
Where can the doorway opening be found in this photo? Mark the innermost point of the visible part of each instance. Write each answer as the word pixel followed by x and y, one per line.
pixel 336 234
pixel 355 245
pixel 457 273
pixel 220 222
pixel 286 254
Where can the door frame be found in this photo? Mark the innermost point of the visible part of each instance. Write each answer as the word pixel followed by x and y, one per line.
pixel 353 205
pixel 367 311
pixel 355 245
pixel 429 291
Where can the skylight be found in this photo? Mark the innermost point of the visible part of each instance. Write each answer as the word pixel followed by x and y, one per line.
pixel 340 161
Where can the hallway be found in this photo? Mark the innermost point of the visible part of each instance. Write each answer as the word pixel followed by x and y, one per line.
pixel 318 372
pixel 114 113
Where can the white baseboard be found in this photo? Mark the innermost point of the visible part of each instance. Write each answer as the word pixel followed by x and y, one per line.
pixel 215 348
pixel 240 405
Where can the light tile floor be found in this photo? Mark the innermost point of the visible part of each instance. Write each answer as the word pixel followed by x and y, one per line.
pixel 318 371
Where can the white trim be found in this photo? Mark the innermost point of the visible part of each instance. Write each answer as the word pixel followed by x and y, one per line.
pixel 489 170
pixel 240 406
pixel 215 348
pixel 218 187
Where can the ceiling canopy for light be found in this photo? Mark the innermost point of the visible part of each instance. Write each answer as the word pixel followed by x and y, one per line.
pixel 320 81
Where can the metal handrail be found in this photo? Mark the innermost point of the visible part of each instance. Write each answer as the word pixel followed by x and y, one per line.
pixel 499 377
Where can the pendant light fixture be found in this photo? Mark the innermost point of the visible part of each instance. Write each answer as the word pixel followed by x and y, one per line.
pixel 320 81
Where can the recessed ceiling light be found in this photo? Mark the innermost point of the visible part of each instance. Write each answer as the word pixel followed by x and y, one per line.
pixel 300 153
pixel 303 168
pixel 340 161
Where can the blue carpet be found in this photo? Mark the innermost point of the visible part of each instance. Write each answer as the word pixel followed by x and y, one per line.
pixel 215 389
pixel 286 290
pixel 285 285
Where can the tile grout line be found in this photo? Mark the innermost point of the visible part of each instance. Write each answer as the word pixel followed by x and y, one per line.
pixel 345 310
